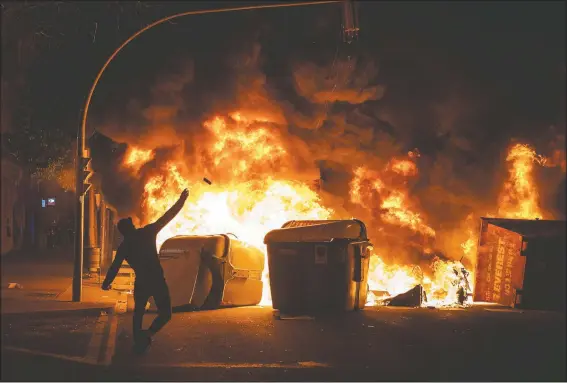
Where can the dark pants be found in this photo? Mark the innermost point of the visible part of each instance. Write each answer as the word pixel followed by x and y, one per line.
pixel 142 293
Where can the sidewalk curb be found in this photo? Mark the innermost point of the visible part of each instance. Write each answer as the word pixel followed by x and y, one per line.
pixel 110 345
pixel 68 358
pixel 103 341
pixel 94 348
pixel 229 365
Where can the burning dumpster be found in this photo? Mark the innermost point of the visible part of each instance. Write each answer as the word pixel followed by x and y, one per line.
pixel 521 263
pixel 318 266
pixel 212 271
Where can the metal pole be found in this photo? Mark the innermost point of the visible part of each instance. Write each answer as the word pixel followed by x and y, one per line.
pixel 103 237
pixel 91 246
pixel 79 216
pixel 79 225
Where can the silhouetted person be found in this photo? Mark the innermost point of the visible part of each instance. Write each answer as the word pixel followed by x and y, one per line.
pixel 139 249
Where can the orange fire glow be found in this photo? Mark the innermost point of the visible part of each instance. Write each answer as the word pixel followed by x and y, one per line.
pixel 245 199
pixel 248 206
pixel 519 198
pixel 136 157
pixel 371 188
pixel 405 167
pixel 243 141
pixel 441 284
pixel 367 187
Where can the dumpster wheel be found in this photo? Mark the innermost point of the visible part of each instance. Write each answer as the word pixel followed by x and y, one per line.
pixel 277 315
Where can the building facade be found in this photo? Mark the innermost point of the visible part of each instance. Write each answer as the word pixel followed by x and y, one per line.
pixel 13 207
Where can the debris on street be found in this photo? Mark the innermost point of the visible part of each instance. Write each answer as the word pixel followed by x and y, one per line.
pixel 411 298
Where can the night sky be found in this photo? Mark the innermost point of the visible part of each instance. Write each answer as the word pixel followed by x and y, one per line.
pixel 458 80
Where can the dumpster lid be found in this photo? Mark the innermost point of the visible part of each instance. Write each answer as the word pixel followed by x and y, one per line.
pixel 530 227
pixel 239 254
pixel 217 244
pixel 321 230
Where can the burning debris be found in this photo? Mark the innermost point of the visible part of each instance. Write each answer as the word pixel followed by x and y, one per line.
pixel 417 295
pixel 464 290
pixel 519 197
pixel 412 298
pixel 274 162
pixel 249 206
pixel 387 191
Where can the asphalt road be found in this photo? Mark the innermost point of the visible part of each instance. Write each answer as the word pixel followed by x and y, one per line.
pixel 375 344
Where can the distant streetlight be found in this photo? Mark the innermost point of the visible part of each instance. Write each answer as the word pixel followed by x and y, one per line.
pixel 82 160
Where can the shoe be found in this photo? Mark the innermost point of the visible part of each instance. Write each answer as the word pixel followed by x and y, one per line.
pixel 143 342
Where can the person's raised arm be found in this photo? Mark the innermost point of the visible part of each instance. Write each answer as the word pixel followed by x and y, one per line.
pixel 114 268
pixel 171 213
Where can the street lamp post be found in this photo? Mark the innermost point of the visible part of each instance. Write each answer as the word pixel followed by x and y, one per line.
pixel 82 158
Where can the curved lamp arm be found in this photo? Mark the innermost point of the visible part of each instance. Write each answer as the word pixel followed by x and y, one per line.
pixel 83 127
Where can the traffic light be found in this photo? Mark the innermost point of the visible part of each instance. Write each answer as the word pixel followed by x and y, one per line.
pixel 350 21
pixel 87 174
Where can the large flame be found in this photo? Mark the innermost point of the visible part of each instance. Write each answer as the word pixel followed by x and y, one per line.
pixel 441 281
pixel 136 157
pixel 248 206
pixel 243 144
pixel 249 202
pixel 519 198
pixel 249 210
pixel 386 192
pixel 369 190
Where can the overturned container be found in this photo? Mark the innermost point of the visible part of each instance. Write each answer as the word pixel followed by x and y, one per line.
pixel 318 266
pixel 521 263
pixel 211 271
